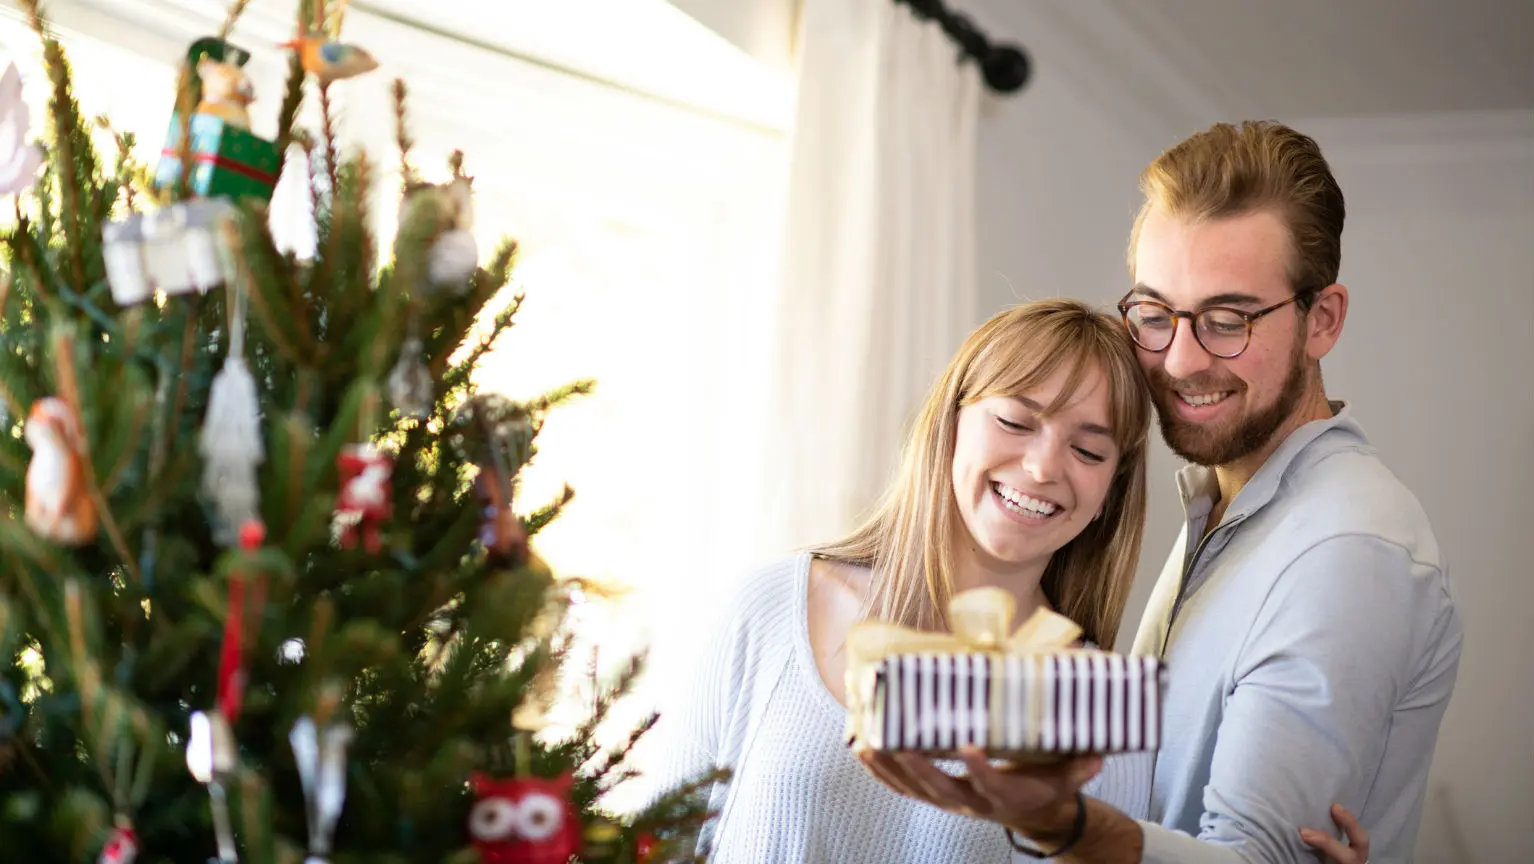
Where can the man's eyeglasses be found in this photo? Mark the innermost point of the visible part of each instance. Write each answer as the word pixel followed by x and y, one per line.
pixel 1223 331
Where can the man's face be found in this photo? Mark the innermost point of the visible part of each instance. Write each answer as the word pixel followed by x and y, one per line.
pixel 1213 410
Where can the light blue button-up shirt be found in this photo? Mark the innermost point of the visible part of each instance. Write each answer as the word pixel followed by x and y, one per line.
pixel 1312 645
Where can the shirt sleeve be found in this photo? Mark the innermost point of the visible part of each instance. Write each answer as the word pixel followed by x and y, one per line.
pixel 1330 655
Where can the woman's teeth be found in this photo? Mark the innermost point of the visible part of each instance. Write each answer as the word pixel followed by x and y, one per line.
pixel 1026 505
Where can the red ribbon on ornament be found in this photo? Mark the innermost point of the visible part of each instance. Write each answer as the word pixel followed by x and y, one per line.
pixel 231 662
pixel 228 164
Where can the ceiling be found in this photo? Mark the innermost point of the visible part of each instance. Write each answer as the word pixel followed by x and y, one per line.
pixel 1322 58
pixel 1289 59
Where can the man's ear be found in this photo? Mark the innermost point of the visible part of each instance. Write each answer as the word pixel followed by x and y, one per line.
pixel 1323 323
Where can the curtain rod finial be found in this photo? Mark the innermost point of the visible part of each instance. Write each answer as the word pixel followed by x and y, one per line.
pixel 1006 68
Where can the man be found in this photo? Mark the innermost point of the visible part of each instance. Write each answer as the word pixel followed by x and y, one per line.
pixel 1304 614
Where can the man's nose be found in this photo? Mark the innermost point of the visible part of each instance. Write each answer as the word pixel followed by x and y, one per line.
pixel 1185 358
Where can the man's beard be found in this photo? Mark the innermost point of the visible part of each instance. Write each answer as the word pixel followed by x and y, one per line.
pixel 1202 445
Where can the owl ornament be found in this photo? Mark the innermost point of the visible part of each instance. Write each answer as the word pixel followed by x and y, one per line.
pixel 58 506
pixel 524 820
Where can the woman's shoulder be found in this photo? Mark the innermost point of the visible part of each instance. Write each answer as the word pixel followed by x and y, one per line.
pixel 764 596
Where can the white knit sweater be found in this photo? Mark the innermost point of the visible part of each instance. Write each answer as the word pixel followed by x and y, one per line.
pixel 757 705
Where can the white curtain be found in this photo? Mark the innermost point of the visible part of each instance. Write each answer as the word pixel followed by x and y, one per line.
pixel 878 279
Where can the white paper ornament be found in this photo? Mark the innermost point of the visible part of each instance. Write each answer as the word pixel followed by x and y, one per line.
pixel 453 259
pixel 19 157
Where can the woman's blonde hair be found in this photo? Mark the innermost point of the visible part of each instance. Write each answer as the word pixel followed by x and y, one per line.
pixel 908 541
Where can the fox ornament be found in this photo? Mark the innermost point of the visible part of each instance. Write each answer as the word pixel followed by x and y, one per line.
pixel 58 506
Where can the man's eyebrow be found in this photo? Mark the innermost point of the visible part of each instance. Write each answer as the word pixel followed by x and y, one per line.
pixel 1229 298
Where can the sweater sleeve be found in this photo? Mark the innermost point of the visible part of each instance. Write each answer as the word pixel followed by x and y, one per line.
pixel 707 705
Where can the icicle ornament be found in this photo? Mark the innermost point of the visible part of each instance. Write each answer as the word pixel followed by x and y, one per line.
pixel 231 442
pixel 321 759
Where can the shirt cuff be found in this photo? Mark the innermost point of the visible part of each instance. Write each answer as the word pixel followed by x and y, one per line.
pixel 1165 846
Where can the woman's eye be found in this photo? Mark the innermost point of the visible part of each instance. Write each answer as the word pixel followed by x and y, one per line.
pixel 1012 426
pixel 1088 455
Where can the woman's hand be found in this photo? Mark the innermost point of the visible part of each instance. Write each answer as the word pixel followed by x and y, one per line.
pixel 1355 851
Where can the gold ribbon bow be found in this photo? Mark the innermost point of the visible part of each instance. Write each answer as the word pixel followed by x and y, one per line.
pixel 979 619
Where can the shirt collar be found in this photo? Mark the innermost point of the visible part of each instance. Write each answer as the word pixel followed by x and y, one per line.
pixel 1199 488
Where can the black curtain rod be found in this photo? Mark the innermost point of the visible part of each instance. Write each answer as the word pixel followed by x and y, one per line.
pixel 1004 67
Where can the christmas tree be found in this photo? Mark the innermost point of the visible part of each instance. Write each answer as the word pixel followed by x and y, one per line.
pixel 265 594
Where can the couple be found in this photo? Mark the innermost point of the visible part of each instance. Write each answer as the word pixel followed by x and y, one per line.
pixel 1304 614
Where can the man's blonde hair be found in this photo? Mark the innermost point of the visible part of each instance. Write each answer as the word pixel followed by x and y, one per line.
pixel 1257 166
pixel 908 542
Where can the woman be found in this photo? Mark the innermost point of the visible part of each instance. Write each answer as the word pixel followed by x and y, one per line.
pixel 1025 470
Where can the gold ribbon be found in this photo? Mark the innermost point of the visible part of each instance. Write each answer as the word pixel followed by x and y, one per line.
pixel 979 618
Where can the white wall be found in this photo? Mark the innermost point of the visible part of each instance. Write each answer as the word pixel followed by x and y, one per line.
pixel 1438 354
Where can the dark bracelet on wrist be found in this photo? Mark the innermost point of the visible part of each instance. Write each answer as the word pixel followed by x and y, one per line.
pixel 1077 830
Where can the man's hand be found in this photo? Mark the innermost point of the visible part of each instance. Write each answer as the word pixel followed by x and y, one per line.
pixel 1036 800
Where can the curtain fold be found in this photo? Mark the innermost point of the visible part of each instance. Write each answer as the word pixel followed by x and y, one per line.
pixel 878 281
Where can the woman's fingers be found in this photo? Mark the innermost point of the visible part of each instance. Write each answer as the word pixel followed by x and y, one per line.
pixel 1355 850
pixel 1358 838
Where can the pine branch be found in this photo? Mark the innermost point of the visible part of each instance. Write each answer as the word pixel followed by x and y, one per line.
pixel 328 132
pixel 617 757
pixel 402 135
pixel 292 98
pixel 561 395
pixel 462 370
pixel 66 120
pixel 540 518
pixel 236 9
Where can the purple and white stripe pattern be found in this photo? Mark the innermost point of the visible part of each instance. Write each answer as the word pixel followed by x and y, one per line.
pixel 1074 702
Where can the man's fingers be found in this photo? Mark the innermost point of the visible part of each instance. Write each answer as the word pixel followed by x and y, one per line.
pixel 1358 838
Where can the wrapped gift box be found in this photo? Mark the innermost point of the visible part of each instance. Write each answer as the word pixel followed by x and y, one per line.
pixel 227 160
pixel 1026 697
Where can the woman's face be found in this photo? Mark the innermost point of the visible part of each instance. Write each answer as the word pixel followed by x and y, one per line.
pixel 1026 484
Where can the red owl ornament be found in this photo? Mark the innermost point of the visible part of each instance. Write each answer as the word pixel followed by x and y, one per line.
pixel 364 502
pixel 525 820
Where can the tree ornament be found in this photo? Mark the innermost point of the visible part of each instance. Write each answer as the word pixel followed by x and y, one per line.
pixel 365 499
pixel 524 820
pixel 411 388
pixel 496 434
pixel 178 249
pixel 226 92
pixel 328 60
pixel 321 761
pixel 226 159
pixel 449 210
pixel 122 847
pixel 58 505
pixel 231 443
pixel 230 695
pixel 212 758
pixel 19 157
pixel 645 848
